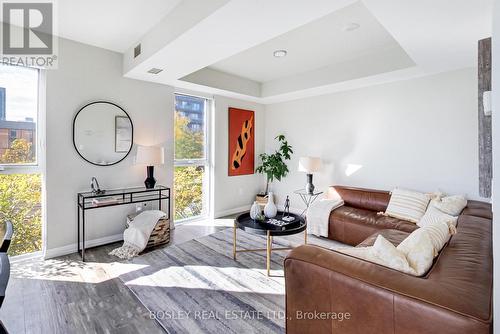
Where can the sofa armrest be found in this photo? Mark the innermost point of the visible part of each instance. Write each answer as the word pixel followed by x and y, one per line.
pixel 331 292
pixel 322 299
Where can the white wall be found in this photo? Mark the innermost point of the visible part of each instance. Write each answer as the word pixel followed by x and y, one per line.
pixel 87 74
pixel 234 193
pixel 419 134
pixel 496 164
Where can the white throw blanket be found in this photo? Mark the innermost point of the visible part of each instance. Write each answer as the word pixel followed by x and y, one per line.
pixel 136 236
pixel 319 213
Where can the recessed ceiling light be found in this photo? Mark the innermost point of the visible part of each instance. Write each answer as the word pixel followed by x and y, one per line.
pixel 155 70
pixel 280 53
pixel 351 26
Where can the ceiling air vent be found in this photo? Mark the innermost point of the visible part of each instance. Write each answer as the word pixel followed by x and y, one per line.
pixel 155 70
pixel 137 50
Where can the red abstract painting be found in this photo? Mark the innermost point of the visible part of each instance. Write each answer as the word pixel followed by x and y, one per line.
pixel 241 142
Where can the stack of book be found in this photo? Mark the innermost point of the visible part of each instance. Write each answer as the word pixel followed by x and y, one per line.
pixel 104 200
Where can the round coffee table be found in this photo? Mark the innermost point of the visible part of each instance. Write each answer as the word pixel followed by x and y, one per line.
pixel 247 224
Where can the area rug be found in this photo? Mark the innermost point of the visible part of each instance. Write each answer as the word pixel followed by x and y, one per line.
pixel 197 287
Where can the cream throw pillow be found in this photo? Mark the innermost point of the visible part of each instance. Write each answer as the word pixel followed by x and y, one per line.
pixel 414 255
pixel 435 215
pixel 382 252
pixel 407 205
pixel 390 255
pixel 418 250
pixel 452 205
pixel 435 234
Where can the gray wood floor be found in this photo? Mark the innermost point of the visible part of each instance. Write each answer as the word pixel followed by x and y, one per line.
pixel 65 295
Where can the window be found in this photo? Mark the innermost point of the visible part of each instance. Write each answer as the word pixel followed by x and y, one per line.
pixel 20 181
pixel 12 136
pixel 18 114
pixel 191 162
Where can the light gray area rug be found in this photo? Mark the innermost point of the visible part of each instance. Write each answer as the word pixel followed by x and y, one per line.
pixel 197 287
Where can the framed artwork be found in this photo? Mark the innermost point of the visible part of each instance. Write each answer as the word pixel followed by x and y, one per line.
pixel 123 134
pixel 241 142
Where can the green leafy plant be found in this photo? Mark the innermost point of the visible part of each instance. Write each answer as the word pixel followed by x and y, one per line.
pixel 273 165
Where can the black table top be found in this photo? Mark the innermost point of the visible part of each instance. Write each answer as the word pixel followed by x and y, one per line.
pixel 247 224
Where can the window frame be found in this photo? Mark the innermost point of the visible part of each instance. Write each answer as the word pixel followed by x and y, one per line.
pixel 37 166
pixel 205 162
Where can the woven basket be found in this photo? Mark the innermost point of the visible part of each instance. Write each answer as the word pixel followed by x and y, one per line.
pixel 161 232
pixel 261 200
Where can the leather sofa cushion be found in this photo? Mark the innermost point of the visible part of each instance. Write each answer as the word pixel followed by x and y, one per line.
pixel 478 209
pixel 393 236
pixel 351 225
pixel 374 200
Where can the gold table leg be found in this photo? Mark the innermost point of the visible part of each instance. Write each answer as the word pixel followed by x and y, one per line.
pixel 305 237
pixel 268 250
pixel 234 241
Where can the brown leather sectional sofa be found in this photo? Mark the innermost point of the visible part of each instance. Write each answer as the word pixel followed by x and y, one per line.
pixel 330 292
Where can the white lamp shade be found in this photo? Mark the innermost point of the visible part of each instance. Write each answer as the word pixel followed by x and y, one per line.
pixel 149 155
pixel 309 164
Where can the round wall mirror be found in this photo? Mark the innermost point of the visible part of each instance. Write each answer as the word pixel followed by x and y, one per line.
pixel 103 133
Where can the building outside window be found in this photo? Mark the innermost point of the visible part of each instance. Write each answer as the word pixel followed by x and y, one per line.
pixel 20 177
pixel 191 174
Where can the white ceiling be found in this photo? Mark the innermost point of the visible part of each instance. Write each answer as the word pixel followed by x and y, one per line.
pixel 315 45
pixel 110 24
pixel 225 46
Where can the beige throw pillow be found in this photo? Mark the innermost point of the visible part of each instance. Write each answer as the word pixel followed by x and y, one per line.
pixel 407 205
pixel 390 255
pixel 418 250
pixel 382 252
pixel 426 242
pixel 433 215
pixel 452 205
pixel 414 255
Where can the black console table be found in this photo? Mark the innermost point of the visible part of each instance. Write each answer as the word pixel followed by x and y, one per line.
pixel 85 201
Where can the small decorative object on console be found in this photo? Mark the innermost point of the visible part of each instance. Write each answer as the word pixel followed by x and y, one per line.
pixel 94 185
pixel 104 200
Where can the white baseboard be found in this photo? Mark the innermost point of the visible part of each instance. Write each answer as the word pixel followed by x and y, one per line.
pixel 70 249
pixel 232 211
pixel 22 257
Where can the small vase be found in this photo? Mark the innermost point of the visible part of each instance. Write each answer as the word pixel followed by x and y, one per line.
pixel 254 210
pixel 270 210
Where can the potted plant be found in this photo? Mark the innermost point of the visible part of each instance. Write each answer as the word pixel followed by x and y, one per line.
pixel 274 165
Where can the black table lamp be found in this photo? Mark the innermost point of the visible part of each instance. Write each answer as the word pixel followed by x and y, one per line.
pixel 149 156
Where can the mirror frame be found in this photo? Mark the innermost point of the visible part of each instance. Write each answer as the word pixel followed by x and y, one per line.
pixel 74 124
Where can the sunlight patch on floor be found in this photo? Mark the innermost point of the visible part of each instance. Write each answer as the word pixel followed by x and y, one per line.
pixel 71 271
pixel 231 279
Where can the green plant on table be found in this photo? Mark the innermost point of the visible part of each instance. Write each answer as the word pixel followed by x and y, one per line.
pixel 274 165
